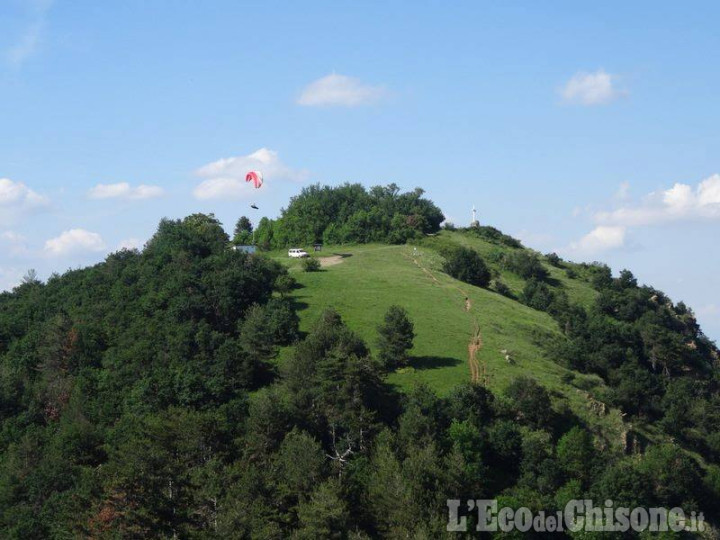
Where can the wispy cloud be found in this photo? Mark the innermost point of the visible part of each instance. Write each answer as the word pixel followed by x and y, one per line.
pixel 32 35
pixel 14 244
pixel 681 202
pixel 596 88
pixel 600 239
pixel 9 278
pixel 123 190
pixel 623 192
pixel 225 178
pixel 340 90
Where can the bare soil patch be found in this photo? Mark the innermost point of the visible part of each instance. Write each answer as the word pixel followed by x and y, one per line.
pixel 330 261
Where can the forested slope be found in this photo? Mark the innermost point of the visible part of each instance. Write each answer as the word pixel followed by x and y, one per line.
pixel 189 390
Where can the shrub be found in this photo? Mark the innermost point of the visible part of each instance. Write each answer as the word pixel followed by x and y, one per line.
pixel 395 337
pixel 531 402
pixel 501 288
pixel 466 265
pixel 494 236
pixel 576 453
pixel 284 284
pixel 537 295
pixel 554 259
pixel 526 265
pixel 571 273
pixel 310 264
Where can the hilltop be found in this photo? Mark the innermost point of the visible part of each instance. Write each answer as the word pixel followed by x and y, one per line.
pixel 190 389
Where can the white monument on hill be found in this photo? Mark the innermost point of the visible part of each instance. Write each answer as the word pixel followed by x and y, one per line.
pixel 474 222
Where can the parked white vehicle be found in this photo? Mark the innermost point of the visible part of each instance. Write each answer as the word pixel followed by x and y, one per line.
pixel 297 253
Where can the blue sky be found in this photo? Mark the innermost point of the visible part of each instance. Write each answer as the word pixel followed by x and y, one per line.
pixel 591 130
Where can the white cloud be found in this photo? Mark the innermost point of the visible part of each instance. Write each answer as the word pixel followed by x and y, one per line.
pixel 225 178
pixel 74 241
pixel 340 90
pixel 32 36
pixel 124 190
pixel 602 238
pixel 680 202
pixel 590 88
pixel 17 194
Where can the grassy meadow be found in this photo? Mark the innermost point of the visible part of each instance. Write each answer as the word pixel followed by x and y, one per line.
pixel 364 280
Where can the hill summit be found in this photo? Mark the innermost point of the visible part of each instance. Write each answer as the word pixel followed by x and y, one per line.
pixel 191 390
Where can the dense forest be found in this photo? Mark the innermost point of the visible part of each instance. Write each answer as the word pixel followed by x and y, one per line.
pixel 140 397
pixel 350 213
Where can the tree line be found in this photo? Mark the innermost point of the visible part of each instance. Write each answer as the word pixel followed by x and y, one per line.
pixel 141 397
pixel 349 213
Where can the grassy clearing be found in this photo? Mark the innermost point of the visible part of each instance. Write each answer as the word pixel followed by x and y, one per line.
pixel 371 278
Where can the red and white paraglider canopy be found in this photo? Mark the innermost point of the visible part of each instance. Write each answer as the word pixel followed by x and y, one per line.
pixel 255 177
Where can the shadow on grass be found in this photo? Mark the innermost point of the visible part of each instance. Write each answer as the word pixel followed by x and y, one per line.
pixel 298 305
pixel 432 362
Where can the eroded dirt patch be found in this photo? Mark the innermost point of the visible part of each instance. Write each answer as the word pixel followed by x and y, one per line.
pixel 330 261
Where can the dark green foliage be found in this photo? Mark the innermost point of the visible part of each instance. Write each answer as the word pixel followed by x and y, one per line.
pixel 554 259
pixel 310 264
pixel 466 265
pixel 137 335
pixel 576 454
pixel 601 275
pixel 243 232
pixel 350 213
pixel 325 514
pixel 675 476
pixel 537 295
pixel 530 402
pixel 395 338
pixel 142 397
pixel 285 283
pixel 493 235
pixel 525 264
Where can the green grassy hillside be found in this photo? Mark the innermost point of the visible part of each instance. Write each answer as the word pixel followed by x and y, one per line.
pixel 361 282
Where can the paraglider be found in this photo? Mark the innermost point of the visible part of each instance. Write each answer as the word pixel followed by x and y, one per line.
pixel 256 178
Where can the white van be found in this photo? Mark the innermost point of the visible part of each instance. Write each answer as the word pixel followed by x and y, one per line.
pixel 297 253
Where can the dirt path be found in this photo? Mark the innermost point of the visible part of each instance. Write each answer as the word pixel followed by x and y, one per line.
pixel 474 347
pixel 478 370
